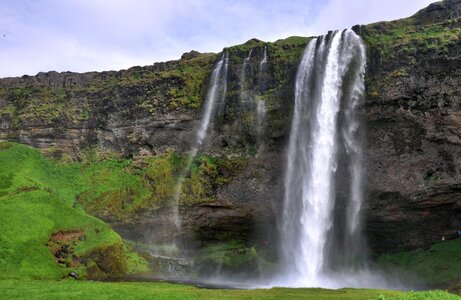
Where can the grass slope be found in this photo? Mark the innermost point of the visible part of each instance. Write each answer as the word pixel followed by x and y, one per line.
pixel 36 200
pixel 426 295
pixel 439 265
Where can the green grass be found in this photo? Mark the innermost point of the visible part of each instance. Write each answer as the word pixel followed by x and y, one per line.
pixel 439 265
pixel 424 295
pixel 37 200
pixel 409 37
pixel 28 220
pixel 68 289
pixel 292 41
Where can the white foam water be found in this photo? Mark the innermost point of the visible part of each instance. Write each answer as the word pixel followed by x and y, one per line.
pixel 329 88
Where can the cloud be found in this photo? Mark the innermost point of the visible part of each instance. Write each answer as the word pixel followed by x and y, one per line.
pixel 85 35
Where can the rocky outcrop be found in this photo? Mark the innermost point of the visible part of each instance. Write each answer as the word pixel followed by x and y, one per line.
pixel 439 12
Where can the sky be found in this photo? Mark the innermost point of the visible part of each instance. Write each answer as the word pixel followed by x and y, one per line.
pixel 98 35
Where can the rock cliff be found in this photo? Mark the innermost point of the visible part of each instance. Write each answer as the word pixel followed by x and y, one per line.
pixel 413 127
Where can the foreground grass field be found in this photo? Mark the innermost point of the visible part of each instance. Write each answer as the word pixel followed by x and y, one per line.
pixel 70 289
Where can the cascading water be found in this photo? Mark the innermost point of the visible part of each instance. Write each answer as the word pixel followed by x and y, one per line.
pixel 214 100
pixel 261 113
pixel 329 87
pixel 263 62
pixel 261 103
pixel 245 95
pixel 215 97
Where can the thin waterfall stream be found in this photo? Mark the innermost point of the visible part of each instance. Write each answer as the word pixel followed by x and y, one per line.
pixel 244 96
pixel 261 103
pixel 216 96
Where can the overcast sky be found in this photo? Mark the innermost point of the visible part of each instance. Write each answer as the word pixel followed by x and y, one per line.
pixel 89 35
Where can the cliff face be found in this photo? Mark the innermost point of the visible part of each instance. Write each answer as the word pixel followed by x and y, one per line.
pixel 412 116
pixel 413 128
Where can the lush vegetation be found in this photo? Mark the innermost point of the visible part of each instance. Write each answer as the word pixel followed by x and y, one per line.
pixel 439 265
pixel 36 200
pixel 118 188
pixel 394 48
pixel 411 37
pixel 43 233
pixel 40 197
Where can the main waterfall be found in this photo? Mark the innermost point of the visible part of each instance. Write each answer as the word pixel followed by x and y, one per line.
pixel 324 156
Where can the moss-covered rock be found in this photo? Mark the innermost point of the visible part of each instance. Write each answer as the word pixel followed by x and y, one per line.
pixel 109 260
pixel 228 258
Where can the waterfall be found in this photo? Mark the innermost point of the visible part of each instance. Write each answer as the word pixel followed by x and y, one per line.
pixel 261 103
pixel 261 114
pixel 243 90
pixel 263 62
pixel 329 87
pixel 215 100
pixel 215 97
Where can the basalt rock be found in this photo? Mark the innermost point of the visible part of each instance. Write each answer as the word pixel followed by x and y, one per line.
pixel 413 128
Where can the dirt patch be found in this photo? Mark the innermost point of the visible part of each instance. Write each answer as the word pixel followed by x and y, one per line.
pixel 4 145
pixel 66 236
pixel 62 244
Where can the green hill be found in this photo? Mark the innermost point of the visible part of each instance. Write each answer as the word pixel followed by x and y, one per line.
pixel 43 233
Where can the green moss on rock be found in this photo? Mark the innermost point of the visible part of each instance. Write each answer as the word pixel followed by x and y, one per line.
pixel 109 259
pixel 231 257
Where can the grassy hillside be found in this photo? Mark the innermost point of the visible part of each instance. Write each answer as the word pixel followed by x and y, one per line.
pixel 43 234
pixel 44 205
